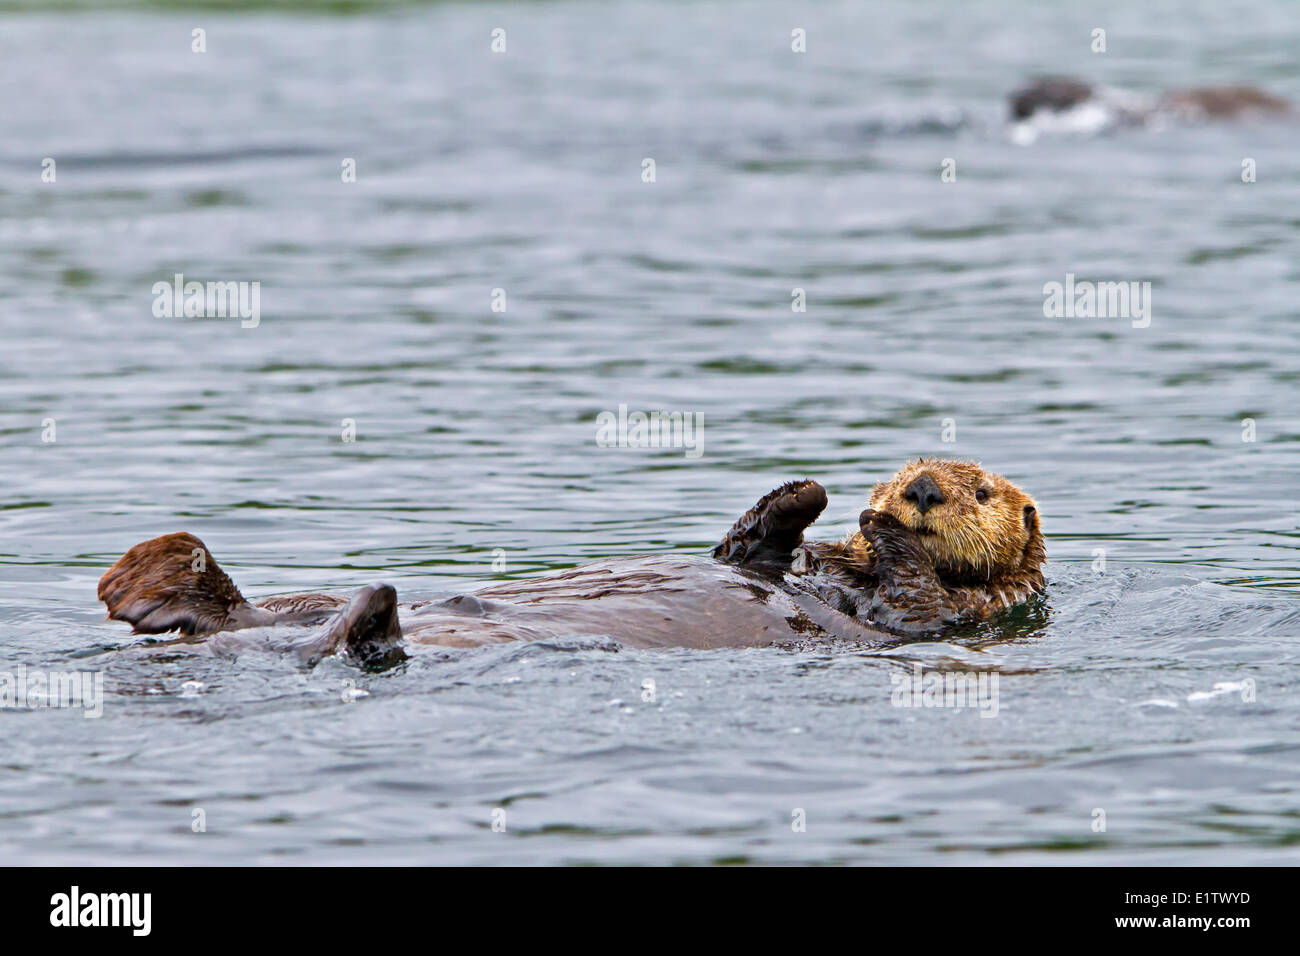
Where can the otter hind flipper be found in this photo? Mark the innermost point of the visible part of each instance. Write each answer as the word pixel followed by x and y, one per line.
pixel 768 533
pixel 172 583
pixel 366 630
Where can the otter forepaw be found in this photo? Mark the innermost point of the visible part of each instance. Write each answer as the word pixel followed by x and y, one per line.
pixel 896 546
pixel 367 630
pixel 909 598
pixel 769 532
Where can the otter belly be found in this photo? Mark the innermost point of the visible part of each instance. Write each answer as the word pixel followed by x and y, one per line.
pixel 660 601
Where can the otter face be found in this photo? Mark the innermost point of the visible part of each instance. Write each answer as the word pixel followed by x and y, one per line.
pixel 973 524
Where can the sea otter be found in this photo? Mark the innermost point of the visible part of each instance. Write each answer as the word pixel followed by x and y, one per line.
pixel 1066 104
pixel 942 542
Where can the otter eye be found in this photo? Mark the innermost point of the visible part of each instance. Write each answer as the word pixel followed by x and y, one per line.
pixel 982 495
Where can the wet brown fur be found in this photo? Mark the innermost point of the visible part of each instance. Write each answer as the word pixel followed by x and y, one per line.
pixel 1223 102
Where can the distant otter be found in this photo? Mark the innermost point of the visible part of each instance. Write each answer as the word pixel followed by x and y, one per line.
pixel 941 543
pixel 1054 94
pixel 1070 104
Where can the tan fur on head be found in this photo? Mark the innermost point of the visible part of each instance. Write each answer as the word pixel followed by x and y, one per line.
pixel 984 529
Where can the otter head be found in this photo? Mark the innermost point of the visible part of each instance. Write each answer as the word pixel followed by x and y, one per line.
pixel 975 525
pixel 1054 94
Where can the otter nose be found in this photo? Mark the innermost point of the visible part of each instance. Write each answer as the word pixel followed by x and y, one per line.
pixel 924 493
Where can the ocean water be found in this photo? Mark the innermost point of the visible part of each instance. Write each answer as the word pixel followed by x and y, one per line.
pixel 1150 713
